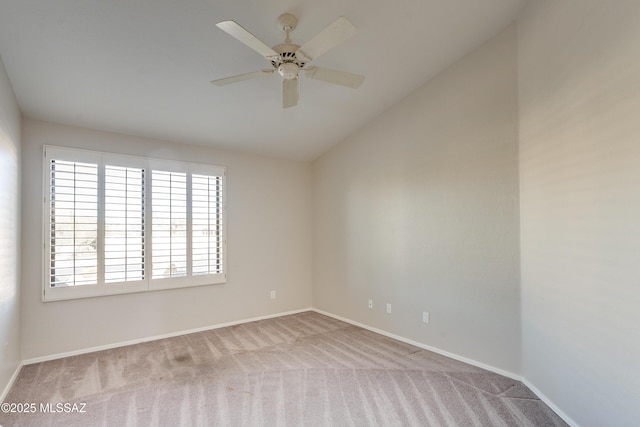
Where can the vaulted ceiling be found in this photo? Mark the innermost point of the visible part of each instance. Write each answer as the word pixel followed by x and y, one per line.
pixel 143 67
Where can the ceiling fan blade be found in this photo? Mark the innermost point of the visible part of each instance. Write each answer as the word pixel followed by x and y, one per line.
pixel 236 31
pixel 336 77
pixel 337 32
pixel 241 77
pixel 289 93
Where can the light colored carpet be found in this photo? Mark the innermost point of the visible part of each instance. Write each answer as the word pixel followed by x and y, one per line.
pixel 300 370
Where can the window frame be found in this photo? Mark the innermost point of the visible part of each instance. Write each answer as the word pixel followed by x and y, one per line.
pixel 103 288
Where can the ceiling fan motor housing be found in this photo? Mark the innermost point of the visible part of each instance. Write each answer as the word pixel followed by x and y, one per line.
pixel 288 65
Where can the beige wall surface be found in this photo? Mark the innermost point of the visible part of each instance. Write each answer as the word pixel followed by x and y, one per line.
pixel 269 248
pixel 10 153
pixel 579 89
pixel 419 209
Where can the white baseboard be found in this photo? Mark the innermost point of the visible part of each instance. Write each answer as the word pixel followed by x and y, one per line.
pixel 490 368
pixel 157 337
pixel 13 378
pixel 425 346
pixel 472 362
pixel 566 418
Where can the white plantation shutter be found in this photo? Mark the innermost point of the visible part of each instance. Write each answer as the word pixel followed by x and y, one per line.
pixel 124 231
pixel 73 223
pixel 207 234
pixel 169 216
pixel 119 224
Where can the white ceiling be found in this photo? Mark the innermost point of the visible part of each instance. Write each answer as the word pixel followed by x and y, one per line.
pixel 143 67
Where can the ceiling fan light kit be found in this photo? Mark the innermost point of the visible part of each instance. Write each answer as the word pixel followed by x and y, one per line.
pixel 289 58
pixel 288 70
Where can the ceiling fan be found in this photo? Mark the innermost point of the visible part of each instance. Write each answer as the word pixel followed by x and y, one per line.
pixel 290 59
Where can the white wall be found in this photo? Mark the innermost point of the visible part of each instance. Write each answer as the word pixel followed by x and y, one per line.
pixel 420 209
pixel 579 85
pixel 10 153
pixel 269 247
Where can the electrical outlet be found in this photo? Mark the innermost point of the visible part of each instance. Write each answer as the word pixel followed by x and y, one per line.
pixel 273 294
pixel 370 303
pixel 388 308
pixel 425 316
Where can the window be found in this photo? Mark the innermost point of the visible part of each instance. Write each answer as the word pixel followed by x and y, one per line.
pixel 169 198
pixel 124 258
pixel 74 223
pixel 206 218
pixel 119 224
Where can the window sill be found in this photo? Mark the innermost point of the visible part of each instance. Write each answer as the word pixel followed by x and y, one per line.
pixel 92 291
